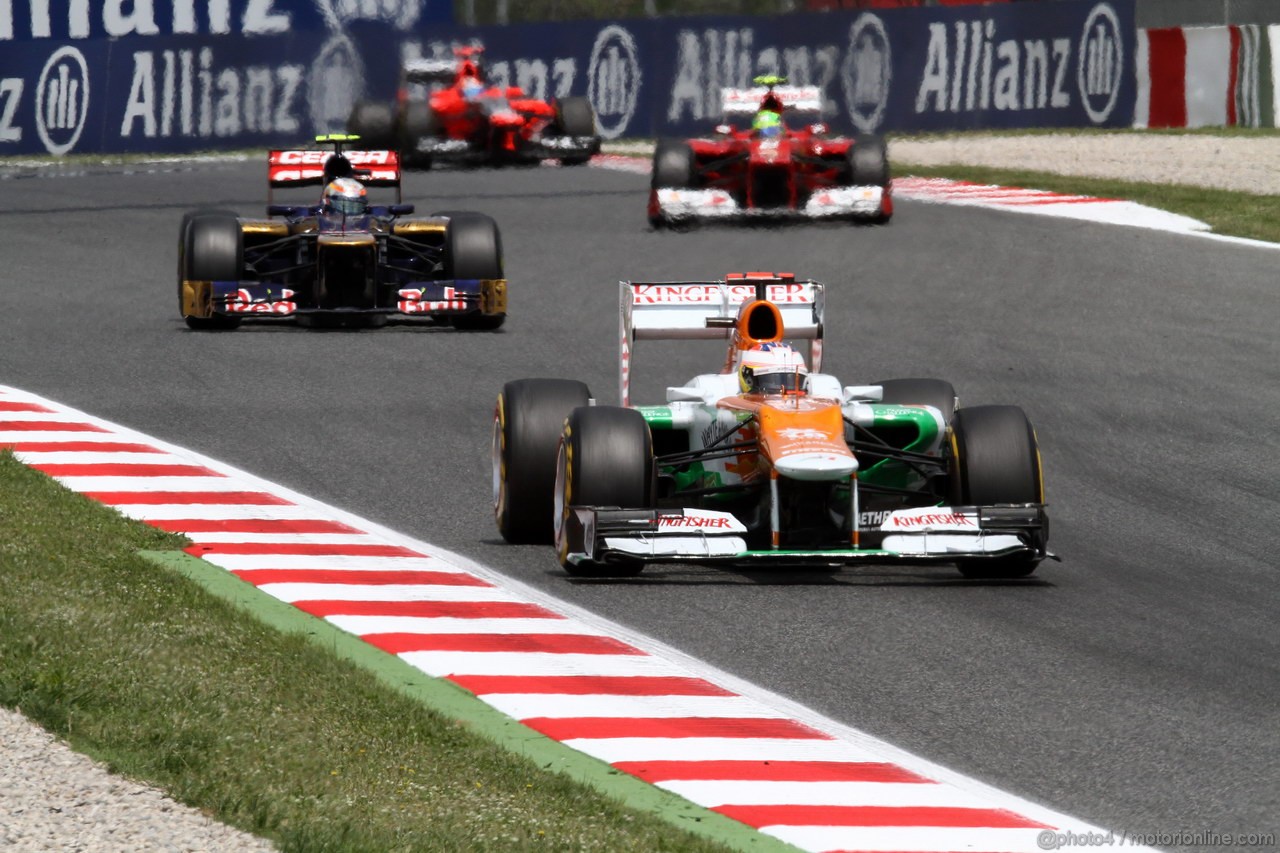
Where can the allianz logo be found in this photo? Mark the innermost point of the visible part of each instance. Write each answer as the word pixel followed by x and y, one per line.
pixel 969 67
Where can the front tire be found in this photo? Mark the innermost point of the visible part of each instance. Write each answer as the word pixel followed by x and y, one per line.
pixel 475 252
pixel 996 459
pixel 605 458
pixel 575 117
pixel 527 422
pixel 673 165
pixel 211 249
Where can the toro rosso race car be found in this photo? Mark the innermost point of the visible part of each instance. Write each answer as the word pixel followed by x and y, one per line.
pixel 764 462
pixel 342 261
pixel 446 111
pixel 770 169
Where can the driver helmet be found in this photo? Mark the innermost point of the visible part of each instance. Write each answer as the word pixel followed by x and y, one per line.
pixel 772 368
pixel 471 88
pixel 767 123
pixel 346 196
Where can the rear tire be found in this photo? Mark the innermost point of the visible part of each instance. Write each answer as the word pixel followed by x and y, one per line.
pixel 211 249
pixel 374 122
pixel 995 460
pixel 922 392
pixel 474 245
pixel 605 458
pixel 527 422
pixel 418 122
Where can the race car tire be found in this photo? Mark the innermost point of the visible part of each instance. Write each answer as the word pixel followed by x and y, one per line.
pixel 995 459
pixel 212 249
pixel 673 164
pixel 868 162
pixel 474 247
pixel 605 459
pixel 527 422
pixel 938 393
pixel 575 117
pixel 419 121
pixel 182 241
pixel 374 122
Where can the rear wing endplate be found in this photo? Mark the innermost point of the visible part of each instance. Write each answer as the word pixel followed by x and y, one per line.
pixel 679 310
pixel 797 99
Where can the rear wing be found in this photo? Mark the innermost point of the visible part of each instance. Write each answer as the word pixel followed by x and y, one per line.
pixel 314 168
pixel 429 70
pixel 705 310
pixel 796 99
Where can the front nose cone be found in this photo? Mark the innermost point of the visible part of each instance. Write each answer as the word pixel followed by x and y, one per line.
pixel 816 465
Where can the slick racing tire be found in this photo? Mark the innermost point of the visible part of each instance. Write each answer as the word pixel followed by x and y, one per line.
pixel 995 459
pixel 474 247
pixel 210 249
pixel 374 122
pixel 605 459
pixel 419 121
pixel 527 422
pixel 868 162
pixel 575 117
pixel 921 392
pixel 673 164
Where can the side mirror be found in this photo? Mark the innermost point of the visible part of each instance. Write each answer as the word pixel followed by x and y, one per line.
pixel 863 393
pixel 818 128
pixel 724 129
pixel 399 209
pixel 284 210
pixel 685 394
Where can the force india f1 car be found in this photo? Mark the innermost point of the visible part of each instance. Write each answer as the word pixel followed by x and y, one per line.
pixel 769 170
pixel 799 473
pixel 321 265
pixel 445 111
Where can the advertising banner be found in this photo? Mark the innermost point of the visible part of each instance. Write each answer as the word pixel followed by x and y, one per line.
pixel 182 75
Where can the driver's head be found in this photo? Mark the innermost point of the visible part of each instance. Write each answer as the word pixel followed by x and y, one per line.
pixel 772 368
pixel 346 196
pixel 472 88
pixel 767 123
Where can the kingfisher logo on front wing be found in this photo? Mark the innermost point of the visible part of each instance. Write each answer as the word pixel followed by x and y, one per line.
pixel 928 518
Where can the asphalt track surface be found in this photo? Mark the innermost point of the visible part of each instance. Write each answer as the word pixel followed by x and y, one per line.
pixel 1135 685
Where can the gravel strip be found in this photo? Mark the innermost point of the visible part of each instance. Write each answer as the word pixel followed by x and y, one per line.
pixel 57 800
pixel 1241 163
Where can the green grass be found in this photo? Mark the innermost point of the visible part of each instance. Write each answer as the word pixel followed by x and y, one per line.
pixel 1226 211
pixel 142 668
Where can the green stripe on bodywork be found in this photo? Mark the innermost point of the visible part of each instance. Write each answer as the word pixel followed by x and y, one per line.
pixel 889 472
pixel 449 699
pixel 657 417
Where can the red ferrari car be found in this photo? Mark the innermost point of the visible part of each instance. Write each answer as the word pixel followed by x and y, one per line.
pixel 775 167
pixel 446 111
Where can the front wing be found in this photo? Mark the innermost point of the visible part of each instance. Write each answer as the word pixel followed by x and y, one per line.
pixel 933 534
pixel 249 299
pixel 685 205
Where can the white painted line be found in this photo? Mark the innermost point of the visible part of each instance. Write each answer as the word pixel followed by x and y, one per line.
pixel 524 706
pixel 536 663
pixel 361 625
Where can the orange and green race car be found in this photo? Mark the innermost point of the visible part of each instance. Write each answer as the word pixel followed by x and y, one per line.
pixel 767 461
